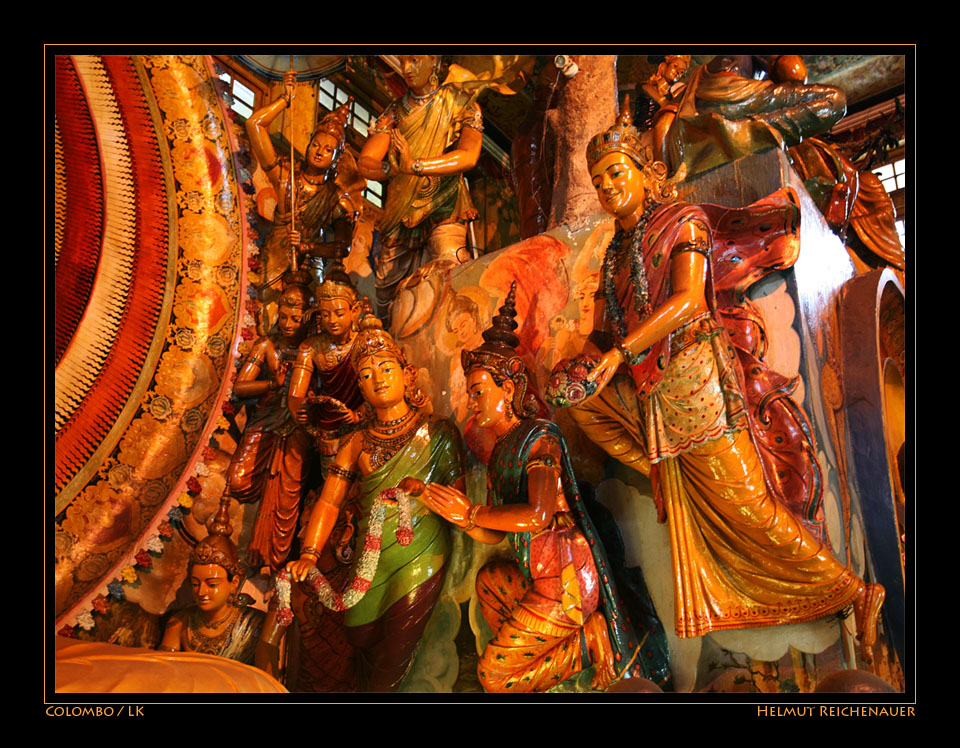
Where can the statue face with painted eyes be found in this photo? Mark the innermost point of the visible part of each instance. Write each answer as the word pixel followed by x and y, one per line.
pixel 337 317
pixel 382 380
pixel 416 70
pixel 212 588
pixel 619 184
pixel 321 151
pixel 488 400
pixel 290 321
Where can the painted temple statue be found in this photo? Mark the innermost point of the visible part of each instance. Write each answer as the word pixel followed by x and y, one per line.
pixel 552 612
pixel 271 461
pixel 222 622
pixel 398 576
pixel 319 199
pixel 644 441
pixel 679 412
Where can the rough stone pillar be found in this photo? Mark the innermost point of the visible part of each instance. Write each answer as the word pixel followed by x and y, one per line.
pixel 586 104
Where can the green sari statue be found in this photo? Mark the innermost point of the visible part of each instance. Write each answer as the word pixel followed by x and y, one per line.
pixel 404 549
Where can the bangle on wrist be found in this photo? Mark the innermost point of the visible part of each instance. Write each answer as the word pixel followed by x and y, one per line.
pixel 310 551
pixel 472 518
pixel 623 352
pixel 386 168
pixel 417 167
pixel 631 359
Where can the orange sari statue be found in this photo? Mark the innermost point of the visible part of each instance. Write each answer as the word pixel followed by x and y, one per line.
pixel 669 399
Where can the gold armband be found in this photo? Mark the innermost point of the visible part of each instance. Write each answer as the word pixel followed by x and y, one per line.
pixel 348 475
pixel 546 461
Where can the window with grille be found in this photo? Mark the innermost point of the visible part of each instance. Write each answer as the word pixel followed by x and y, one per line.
pixel 893 178
pixel 244 97
pixel 360 118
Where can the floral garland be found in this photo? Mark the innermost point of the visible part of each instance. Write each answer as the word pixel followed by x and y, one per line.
pixel 364 570
pixel 130 573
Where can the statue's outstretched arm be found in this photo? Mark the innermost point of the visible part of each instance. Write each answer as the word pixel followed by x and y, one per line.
pixel 257 125
pixel 325 511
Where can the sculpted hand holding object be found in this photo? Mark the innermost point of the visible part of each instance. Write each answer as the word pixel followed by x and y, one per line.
pixel 551 605
pixel 669 402
pixel 398 576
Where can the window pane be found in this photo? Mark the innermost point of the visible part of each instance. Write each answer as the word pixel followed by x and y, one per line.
pixel 325 99
pixel 375 187
pixel 341 96
pixel 375 199
pixel 326 85
pixel 243 93
pixel 361 112
pixel 360 127
pixel 900 166
pixel 884 172
pixel 242 109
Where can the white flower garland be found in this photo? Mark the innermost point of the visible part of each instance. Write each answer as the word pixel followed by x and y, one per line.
pixel 366 567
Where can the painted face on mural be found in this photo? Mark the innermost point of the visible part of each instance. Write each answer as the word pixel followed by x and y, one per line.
pixel 586 301
pixel 465 327
pixel 619 184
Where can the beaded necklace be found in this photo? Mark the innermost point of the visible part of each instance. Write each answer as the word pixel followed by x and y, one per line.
pixel 629 244
pixel 382 449
pixel 209 644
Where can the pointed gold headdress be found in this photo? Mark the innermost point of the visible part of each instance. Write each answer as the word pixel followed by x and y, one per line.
pixel 498 356
pixel 622 137
pixel 217 548
pixel 335 123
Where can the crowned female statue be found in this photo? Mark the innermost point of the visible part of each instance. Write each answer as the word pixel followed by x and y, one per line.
pixel 222 622
pixel 318 200
pixel 668 399
pixel 553 612
pixel 398 574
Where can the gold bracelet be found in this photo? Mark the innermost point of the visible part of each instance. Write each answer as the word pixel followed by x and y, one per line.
pixel 418 167
pixel 309 551
pixel 472 518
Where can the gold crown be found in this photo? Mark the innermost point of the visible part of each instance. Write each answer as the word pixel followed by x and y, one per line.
pixel 622 137
pixel 373 340
pixel 332 289
pixel 335 123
